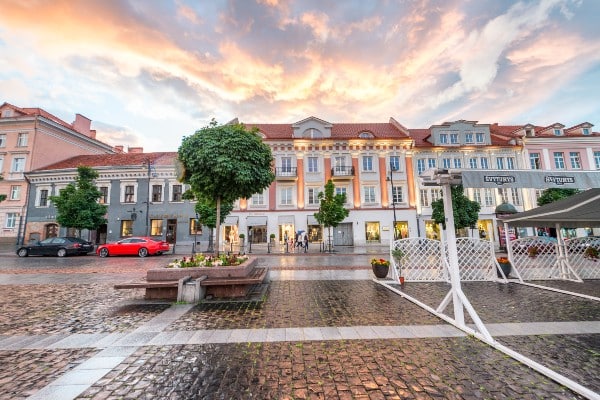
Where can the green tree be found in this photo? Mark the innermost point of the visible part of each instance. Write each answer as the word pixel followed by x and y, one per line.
pixel 224 163
pixel 466 212
pixel 331 208
pixel 551 195
pixel 77 205
pixel 207 215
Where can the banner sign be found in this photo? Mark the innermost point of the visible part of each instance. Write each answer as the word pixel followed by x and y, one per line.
pixel 530 179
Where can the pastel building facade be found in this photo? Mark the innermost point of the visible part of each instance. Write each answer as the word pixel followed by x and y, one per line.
pixel 31 138
pixel 375 164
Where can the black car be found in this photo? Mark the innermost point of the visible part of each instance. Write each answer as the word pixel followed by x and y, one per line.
pixel 56 246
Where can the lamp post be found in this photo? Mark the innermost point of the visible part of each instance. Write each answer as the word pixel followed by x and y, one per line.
pixel 149 174
pixel 390 178
pixel 250 240
pixel 195 235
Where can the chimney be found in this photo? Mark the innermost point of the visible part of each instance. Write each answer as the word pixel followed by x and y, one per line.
pixel 82 124
pixel 93 134
pixel 118 149
pixel 135 150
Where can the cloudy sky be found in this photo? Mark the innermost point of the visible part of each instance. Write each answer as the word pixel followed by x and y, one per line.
pixel 148 72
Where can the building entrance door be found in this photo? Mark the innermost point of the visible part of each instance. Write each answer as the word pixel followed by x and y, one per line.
pixel 342 235
pixel 171 231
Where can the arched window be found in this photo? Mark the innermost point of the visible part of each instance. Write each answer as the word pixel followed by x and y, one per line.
pixel 366 135
pixel 312 133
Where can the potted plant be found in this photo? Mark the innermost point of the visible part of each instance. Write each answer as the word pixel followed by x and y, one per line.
pixel 380 267
pixel 504 266
pixel 272 237
pixel 592 253
pixel 533 251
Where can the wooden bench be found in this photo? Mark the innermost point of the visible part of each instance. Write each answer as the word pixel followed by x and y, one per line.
pixel 235 286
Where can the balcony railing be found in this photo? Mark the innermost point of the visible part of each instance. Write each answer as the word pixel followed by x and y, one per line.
pixel 342 171
pixel 286 172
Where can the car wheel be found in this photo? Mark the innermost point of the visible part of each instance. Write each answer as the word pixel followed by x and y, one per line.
pixel 61 252
pixel 22 253
pixel 103 252
pixel 143 252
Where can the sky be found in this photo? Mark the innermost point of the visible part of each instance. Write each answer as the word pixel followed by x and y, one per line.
pixel 149 72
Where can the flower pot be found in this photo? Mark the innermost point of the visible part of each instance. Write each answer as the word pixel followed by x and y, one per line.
pixel 402 280
pixel 506 268
pixel 380 270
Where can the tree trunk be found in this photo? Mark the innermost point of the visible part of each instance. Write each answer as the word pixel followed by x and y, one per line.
pixel 218 225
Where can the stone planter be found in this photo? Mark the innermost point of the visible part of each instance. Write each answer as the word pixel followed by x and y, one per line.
pixel 173 274
pixel 380 270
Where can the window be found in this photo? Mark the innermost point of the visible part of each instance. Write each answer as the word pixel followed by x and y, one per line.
pixel 129 194
pixel 195 227
pixel 18 164
pixel 457 163
pixel 1 164
pixel 510 162
pixel 156 227
pixel 469 137
pixel 431 163
pixel 313 196
pixel 3 140
pixel 340 164
pixel 313 164
pixel 103 195
pixel 436 194
pixel 538 194
pixel 454 138
pixel 503 194
pixel 367 163
pixel 156 193
pixel 286 196
pixel 126 227
pixel 484 163
pixel 443 138
pixel 424 198
pixel 397 195
pixel 516 197
pixel 500 163
pixel 557 132
pixel 479 137
pixel 286 164
pixel 597 159
pixel 420 166
pixel 15 192
pixel 11 220
pixel 488 197
pixel 586 131
pixel 535 161
pixel 177 193
pixel 372 232
pixel 473 162
pixel 22 140
pixel 395 163
pixel 341 190
pixel 559 160
pixel 446 162
pixel 575 160
pixel 43 198
pixel 477 196
pixel 369 192
pixel 258 199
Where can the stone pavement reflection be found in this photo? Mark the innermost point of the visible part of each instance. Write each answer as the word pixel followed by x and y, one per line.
pixel 322 332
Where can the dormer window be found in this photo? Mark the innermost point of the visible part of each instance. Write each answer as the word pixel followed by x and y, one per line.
pixel 469 137
pixel 366 135
pixel 585 131
pixel 479 137
pixel 529 133
pixel 557 132
pixel 443 138
pixel 312 133
pixel 454 138
pixel 6 113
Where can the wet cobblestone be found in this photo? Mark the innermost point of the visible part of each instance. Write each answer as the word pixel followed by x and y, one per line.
pixel 89 308
pixel 24 372
pixel 310 303
pixel 497 302
pixel 574 356
pixel 448 368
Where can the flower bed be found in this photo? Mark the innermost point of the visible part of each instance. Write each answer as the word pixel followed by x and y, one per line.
pixel 200 260
pixel 180 268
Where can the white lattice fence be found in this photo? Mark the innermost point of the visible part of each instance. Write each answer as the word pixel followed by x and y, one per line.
pixel 422 260
pixel 582 259
pixel 535 258
pixel 475 259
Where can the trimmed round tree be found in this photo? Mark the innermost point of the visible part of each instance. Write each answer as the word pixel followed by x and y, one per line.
pixel 224 163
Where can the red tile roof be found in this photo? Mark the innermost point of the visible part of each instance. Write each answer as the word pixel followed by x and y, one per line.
pixel 338 130
pixel 114 160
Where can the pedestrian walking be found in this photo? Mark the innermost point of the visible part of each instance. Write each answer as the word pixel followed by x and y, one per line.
pixel 305 242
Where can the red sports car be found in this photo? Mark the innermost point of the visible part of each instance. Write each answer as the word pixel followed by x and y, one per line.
pixel 141 246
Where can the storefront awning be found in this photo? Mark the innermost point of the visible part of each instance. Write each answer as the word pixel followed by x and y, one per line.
pixel 256 220
pixel 285 219
pixel 231 220
pixel 311 220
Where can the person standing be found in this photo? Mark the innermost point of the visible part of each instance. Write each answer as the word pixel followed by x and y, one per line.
pixel 305 240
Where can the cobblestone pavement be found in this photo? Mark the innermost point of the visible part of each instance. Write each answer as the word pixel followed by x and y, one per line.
pixel 412 368
pixel 447 368
pixel 24 372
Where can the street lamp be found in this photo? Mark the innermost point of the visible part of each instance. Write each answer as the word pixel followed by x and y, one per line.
pixel 390 178
pixel 250 239
pixel 195 235
pixel 148 163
